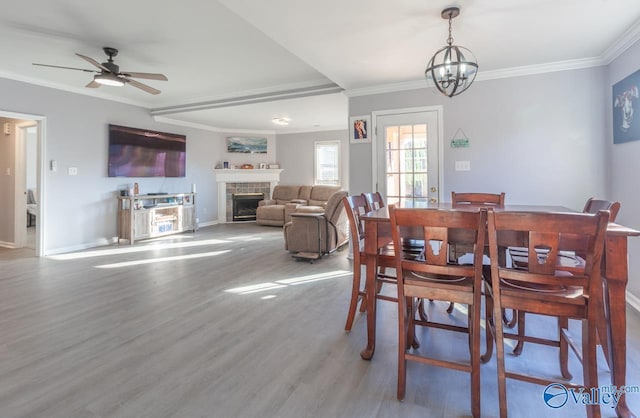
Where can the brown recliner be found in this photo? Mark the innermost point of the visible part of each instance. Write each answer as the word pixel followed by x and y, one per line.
pixel 286 199
pixel 315 229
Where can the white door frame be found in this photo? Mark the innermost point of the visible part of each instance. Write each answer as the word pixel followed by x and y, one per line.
pixel 374 151
pixel 40 122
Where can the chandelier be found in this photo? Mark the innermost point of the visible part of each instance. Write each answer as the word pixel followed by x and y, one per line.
pixel 452 68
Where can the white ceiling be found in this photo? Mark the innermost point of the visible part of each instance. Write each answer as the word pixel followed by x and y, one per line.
pixel 240 56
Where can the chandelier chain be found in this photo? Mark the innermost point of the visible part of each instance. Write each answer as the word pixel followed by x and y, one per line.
pixel 450 38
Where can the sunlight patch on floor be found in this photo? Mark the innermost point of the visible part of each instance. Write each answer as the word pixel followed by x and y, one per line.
pixel 136 249
pixel 261 287
pixel 161 259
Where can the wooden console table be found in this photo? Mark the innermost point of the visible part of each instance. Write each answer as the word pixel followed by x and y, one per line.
pixel 152 215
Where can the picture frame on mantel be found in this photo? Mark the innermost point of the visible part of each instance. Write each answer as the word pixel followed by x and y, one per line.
pixel 625 95
pixel 359 129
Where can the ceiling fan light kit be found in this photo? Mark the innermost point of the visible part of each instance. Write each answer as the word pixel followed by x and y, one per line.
pixel 108 80
pixel 280 121
pixel 452 68
pixel 110 74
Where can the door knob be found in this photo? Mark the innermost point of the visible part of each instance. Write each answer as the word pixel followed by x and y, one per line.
pixel 433 200
pixel 434 189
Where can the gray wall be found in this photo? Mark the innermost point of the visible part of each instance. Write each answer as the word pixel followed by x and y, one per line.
pixel 296 155
pixel 623 162
pixel 540 139
pixel 81 210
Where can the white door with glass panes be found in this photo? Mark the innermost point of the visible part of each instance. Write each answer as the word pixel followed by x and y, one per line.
pixel 408 157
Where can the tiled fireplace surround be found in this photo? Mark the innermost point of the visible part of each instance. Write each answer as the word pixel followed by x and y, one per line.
pixel 231 181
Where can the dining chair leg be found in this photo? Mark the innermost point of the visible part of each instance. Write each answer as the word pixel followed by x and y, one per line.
pixel 489 330
pixel 356 295
pixel 402 346
pixel 517 350
pixel 450 307
pixel 502 378
pixel 590 367
pixel 474 330
pixel 510 323
pixel 563 324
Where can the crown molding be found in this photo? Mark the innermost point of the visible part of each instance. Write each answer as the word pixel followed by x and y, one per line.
pixel 624 42
pixel 210 128
pixel 201 126
pixel 482 76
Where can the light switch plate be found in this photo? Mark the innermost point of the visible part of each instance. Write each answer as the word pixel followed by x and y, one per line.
pixel 463 165
pixel 73 171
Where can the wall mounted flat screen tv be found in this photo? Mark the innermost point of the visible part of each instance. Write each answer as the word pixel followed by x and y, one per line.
pixel 142 153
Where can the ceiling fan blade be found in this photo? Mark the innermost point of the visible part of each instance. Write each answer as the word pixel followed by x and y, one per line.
pixel 93 62
pixel 93 85
pixel 141 86
pixel 67 68
pixel 149 76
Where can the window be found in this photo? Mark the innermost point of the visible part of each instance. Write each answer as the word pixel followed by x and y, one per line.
pixel 406 149
pixel 327 162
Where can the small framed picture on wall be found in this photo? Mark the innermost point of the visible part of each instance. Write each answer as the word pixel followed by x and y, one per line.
pixel 359 127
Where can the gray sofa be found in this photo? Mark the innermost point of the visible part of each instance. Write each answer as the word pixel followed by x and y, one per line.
pixel 286 199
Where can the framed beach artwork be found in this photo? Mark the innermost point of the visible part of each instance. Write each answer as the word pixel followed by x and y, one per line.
pixel 359 127
pixel 626 125
pixel 247 145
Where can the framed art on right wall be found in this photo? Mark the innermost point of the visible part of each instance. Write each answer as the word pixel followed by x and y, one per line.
pixel 626 127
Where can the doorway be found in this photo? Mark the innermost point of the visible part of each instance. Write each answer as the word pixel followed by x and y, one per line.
pixel 27 134
pixel 408 155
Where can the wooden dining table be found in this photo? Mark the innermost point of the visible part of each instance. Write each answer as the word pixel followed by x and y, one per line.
pixel 612 330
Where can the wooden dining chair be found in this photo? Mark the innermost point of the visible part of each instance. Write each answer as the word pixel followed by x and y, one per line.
pixel 593 205
pixel 374 200
pixel 432 276
pixel 542 288
pixel 355 207
pixel 487 199
pixel 569 260
pixel 477 199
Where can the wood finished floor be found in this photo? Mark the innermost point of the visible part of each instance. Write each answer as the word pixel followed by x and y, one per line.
pixel 157 330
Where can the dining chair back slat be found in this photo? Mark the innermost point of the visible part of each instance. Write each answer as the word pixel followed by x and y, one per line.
pixel 374 200
pixel 478 199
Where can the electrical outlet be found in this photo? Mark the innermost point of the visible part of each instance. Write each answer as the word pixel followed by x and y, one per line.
pixel 463 165
pixel 73 171
pixel 8 171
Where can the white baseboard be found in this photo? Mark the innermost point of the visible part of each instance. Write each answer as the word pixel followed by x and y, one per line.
pixel 7 244
pixel 210 223
pixel 633 301
pixel 73 248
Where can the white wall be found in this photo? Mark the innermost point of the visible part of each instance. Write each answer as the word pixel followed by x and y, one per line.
pixel 31 156
pixel 296 155
pixel 538 138
pixel 81 210
pixel 623 162
pixel 7 182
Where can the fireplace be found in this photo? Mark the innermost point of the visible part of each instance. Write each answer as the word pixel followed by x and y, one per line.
pixel 245 205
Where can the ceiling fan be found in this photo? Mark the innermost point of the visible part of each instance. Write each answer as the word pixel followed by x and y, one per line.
pixel 110 74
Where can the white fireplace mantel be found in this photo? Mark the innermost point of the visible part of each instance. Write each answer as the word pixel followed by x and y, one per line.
pixel 224 176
